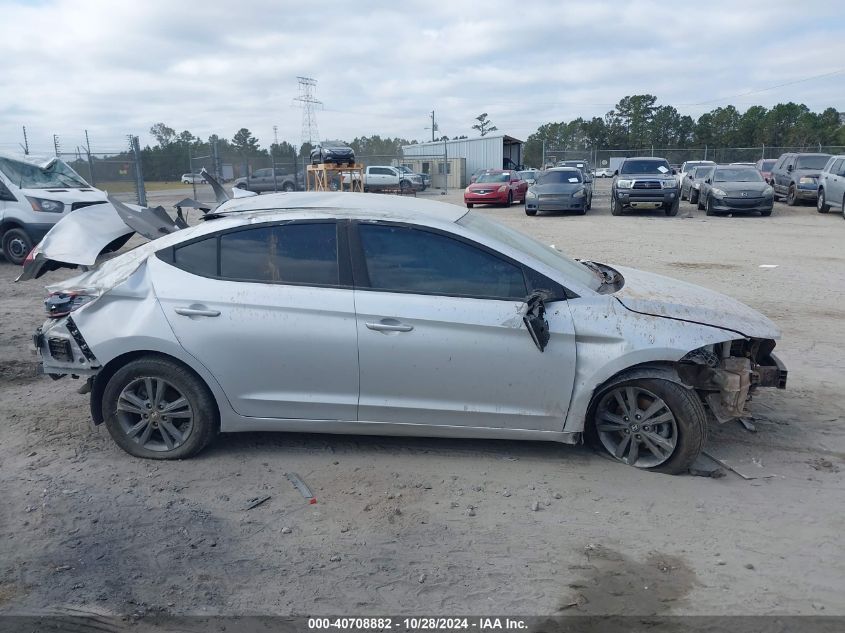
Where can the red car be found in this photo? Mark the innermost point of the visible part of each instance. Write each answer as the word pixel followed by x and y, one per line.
pixel 497 186
pixel 764 166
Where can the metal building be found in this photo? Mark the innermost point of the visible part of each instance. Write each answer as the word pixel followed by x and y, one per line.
pixel 484 152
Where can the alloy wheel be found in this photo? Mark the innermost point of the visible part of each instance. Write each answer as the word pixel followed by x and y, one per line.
pixel 153 413
pixel 636 426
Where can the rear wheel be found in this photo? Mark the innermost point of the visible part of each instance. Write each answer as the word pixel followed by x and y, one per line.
pixel 693 196
pixel 791 196
pixel 821 203
pixel 404 186
pixel 156 409
pixel 650 423
pixel 16 245
pixel 530 211
pixel 710 210
pixel 288 186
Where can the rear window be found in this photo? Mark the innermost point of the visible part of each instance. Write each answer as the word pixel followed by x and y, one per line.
pixel 811 162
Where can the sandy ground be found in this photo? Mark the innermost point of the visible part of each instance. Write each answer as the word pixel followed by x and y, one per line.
pixel 448 526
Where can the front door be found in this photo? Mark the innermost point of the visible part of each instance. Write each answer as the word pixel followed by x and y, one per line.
pixel 442 340
pixel 269 318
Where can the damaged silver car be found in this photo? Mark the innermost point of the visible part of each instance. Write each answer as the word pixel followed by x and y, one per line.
pixel 359 313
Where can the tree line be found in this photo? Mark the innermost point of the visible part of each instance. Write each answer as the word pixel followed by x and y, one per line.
pixel 638 122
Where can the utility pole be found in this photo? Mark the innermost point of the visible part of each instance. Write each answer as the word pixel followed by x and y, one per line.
pixel 276 134
pixel 433 126
pixel 90 160
pixel 135 146
pixel 308 102
pixel 25 145
pixel 56 144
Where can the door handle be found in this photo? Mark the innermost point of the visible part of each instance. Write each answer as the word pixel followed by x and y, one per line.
pixel 192 312
pixel 390 327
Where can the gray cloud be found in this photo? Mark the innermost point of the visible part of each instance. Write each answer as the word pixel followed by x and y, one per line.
pixel 116 68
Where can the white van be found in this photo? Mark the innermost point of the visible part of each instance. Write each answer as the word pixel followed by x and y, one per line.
pixel 35 193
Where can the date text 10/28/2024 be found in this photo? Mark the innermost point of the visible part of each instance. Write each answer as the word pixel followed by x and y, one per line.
pixel 420 623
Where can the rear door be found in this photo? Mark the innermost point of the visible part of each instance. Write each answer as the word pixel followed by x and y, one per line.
pixel 269 310
pixel 836 182
pixel 441 336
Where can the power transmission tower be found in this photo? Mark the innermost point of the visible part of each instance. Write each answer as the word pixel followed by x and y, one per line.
pixel 276 134
pixel 308 101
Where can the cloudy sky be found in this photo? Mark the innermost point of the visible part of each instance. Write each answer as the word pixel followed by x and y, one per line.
pixel 116 68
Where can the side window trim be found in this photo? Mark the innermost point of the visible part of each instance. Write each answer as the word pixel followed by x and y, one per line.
pixel 361 278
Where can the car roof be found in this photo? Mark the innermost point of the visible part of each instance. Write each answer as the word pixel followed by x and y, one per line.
pixel 564 169
pixel 645 158
pixel 344 205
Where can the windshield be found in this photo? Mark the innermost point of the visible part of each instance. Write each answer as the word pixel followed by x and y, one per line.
pixel 494 178
pixel 767 165
pixel 29 176
pixel 741 174
pixel 531 247
pixel 657 167
pixel 811 162
pixel 553 177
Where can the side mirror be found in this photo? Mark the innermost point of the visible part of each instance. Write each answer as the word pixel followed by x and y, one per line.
pixel 709 181
pixel 535 320
pixel 616 173
pixel 789 168
pixel 674 171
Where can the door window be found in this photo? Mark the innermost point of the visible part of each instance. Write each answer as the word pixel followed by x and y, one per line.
pixel 290 253
pixel 410 260
pixel 837 166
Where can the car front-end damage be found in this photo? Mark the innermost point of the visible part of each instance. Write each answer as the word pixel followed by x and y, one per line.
pixel 727 374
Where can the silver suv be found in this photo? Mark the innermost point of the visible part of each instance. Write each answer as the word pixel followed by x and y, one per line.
pixel 831 190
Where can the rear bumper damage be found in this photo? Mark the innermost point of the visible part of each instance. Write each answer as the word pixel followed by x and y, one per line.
pixel 63 350
pixel 726 375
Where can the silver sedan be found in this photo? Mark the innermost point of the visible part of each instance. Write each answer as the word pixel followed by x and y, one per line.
pixel 359 313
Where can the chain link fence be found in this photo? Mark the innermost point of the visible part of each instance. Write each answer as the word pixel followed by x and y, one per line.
pixel 677 155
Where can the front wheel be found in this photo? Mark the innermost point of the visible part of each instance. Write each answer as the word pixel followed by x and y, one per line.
pixel 156 409
pixel 510 199
pixel 530 211
pixel 693 196
pixel 16 245
pixel 614 206
pixel 821 203
pixel 672 209
pixel 649 423
pixel 709 205
pixel 792 196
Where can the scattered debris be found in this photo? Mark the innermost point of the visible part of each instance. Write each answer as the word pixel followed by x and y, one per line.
pixel 557 495
pixel 61 568
pixel 470 511
pixel 822 464
pixel 421 579
pixel 769 265
pixel 748 424
pixel 335 558
pixel 506 493
pixel 255 502
pixel 749 566
pixel 535 507
pixel 286 530
pixel 32 454
pixel 300 485
pixel 579 601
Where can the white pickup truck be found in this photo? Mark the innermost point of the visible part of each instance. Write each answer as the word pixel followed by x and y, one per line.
pixel 378 177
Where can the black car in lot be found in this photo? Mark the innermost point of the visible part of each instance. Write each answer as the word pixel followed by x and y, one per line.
pixel 736 189
pixel 796 176
pixel 644 182
pixel 336 152
pixel 560 189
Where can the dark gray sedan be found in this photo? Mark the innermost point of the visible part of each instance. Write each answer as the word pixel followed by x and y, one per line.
pixel 560 189
pixel 735 189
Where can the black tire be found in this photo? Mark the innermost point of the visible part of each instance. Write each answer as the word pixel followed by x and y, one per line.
pixel 693 196
pixel 766 214
pixel 673 208
pixel 709 206
pixel 821 203
pixel 204 423
pixel 469 205
pixel 614 206
pixel 510 199
pixel 530 211
pixel 404 186
pixel 699 202
pixel 791 197
pixel 685 197
pixel 288 186
pixel 16 245
pixel 241 185
pixel 589 203
pixel 684 405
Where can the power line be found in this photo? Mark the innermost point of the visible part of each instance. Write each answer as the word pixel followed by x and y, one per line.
pixel 751 92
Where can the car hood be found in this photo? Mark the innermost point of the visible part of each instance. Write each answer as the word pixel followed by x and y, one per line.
pixel 557 187
pixel 751 188
pixel 649 293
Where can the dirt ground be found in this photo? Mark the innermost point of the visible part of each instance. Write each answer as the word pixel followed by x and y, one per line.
pixel 422 526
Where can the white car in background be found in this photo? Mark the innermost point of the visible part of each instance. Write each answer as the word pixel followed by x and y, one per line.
pixel 364 314
pixel 188 179
pixel 603 172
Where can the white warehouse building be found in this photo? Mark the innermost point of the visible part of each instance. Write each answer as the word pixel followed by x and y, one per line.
pixel 485 152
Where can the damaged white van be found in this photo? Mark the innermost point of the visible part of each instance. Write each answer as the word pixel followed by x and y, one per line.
pixel 35 193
